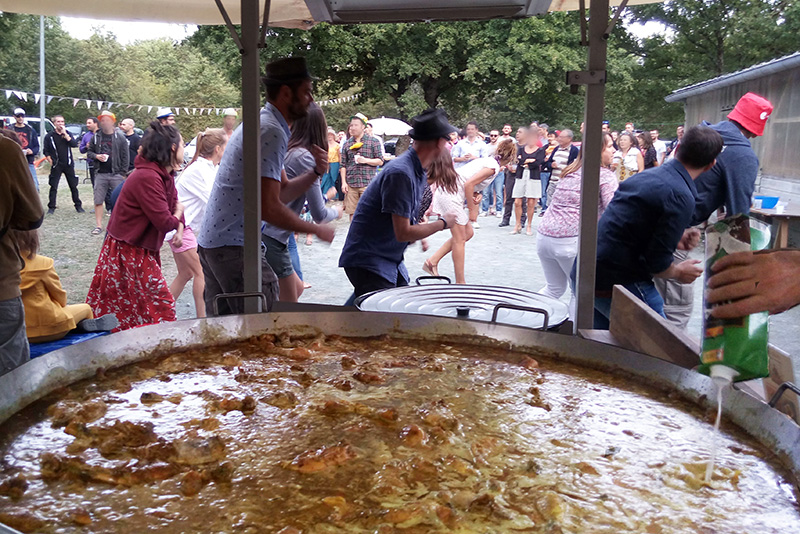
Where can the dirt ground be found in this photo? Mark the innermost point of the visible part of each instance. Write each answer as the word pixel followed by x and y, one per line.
pixel 494 257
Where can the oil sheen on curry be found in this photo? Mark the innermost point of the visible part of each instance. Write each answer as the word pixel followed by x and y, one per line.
pixel 336 435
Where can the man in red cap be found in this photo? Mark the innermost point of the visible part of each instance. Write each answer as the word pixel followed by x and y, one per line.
pixel 732 180
pixel 730 183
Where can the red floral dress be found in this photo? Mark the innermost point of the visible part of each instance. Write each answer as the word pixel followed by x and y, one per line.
pixel 124 274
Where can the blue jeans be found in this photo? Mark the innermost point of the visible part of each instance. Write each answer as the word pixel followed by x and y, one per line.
pixel 495 187
pixel 545 176
pixel 292 246
pixel 32 168
pixel 644 291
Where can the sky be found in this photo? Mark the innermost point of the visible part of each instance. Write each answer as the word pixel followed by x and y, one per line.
pixel 128 32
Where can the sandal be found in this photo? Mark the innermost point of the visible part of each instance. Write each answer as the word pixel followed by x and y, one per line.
pixel 97 231
pixel 529 231
pixel 430 268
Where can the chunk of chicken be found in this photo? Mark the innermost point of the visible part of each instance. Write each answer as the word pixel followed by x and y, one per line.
pixel 322 459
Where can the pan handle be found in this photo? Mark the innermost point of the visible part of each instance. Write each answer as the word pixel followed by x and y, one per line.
pixel 507 306
pixel 780 391
pixel 419 278
pixel 226 296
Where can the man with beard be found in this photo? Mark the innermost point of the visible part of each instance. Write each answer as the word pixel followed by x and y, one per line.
pixel 221 237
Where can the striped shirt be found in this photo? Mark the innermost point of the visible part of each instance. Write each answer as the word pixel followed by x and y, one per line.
pixel 561 157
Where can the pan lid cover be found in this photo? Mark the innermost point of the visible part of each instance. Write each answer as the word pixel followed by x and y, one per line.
pixel 468 301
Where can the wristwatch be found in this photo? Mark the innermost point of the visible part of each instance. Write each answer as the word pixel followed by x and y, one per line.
pixel 445 223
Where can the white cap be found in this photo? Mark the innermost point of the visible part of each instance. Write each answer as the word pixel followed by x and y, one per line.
pixel 229 111
pixel 164 113
pixel 19 111
pixel 722 374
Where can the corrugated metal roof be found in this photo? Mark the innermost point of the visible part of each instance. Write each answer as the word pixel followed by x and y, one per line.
pixel 756 71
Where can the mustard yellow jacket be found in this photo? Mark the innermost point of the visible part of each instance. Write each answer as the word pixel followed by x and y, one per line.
pixel 44 299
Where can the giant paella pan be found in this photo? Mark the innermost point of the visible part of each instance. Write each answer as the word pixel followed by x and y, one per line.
pixel 380 423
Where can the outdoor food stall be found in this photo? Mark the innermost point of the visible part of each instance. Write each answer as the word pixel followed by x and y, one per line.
pixel 378 421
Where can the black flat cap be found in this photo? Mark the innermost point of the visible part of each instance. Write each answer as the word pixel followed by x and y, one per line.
pixel 431 124
pixel 286 70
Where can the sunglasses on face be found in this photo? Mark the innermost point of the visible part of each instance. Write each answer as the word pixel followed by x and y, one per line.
pixel 492 135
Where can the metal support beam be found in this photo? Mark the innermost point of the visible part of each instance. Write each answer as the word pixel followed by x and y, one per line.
pixel 251 150
pixel 229 24
pixel 262 43
pixel 592 148
pixel 616 17
pixel 42 99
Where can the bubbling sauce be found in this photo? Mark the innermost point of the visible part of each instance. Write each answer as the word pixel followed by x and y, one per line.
pixel 336 435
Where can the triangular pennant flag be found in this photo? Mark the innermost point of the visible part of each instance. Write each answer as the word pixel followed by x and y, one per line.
pixel 8 93
pixel 99 104
pixel 186 110
pixel 36 97
pixel 131 105
pixel 74 102
pixel 177 111
pixel 50 98
pixel 194 111
pixel 140 108
pixel 149 108
pixel 24 96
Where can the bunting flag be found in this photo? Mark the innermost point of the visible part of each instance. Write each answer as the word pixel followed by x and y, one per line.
pixel 23 96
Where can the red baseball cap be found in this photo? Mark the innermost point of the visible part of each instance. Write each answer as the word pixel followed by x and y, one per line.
pixel 752 112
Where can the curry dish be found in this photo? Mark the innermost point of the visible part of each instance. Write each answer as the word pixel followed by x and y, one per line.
pixel 337 435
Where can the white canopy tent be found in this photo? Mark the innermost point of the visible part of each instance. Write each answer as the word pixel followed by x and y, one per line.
pixel 304 14
pixel 389 126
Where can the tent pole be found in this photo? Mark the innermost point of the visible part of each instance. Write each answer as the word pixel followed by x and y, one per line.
pixel 592 148
pixel 251 151
pixel 42 99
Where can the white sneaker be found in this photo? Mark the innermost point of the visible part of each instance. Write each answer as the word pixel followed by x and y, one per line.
pixel 484 213
pixel 499 214
pixel 476 225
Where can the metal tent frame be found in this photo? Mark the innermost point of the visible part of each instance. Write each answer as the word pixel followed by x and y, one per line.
pixel 296 13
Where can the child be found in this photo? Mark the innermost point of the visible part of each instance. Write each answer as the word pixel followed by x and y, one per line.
pixel 48 317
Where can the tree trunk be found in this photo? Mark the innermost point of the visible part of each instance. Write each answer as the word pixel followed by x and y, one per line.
pixel 430 91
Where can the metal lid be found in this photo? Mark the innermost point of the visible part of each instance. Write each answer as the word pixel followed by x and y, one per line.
pixel 506 305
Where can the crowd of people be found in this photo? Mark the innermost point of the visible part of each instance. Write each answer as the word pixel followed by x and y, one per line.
pixel 652 198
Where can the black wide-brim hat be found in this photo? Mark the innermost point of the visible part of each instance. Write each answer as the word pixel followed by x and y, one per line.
pixel 286 70
pixel 431 124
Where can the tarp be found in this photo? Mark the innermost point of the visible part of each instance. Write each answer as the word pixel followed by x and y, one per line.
pixel 283 13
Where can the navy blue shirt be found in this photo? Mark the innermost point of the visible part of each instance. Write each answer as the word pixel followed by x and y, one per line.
pixel 732 180
pixel 641 227
pixel 371 243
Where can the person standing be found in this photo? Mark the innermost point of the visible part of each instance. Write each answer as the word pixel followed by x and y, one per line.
pixel 470 148
pixel 92 127
pixel 230 118
pixel 659 145
pixel 675 142
pixel 644 224
pixel 385 221
pixel 109 149
pixel 194 188
pixel 134 140
pixel 729 184
pixel 29 139
pixel 552 144
pixel 557 242
pixel 628 160
pixel 564 154
pixel 489 205
pixel 307 132
pixel 527 180
pixel 506 131
pixel 331 177
pixel 649 152
pixel 361 156
pixel 221 237
pixel 20 209
pixel 58 147
pixel 508 186
pixel 165 116
pixel 128 281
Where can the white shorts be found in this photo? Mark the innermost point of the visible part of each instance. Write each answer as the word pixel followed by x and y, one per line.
pixel 445 202
pixel 526 188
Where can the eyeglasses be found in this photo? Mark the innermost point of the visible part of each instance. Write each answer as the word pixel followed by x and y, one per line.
pixel 492 135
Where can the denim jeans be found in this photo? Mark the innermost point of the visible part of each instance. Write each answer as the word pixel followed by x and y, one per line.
pixel 292 246
pixel 495 187
pixel 644 291
pixel 14 348
pixel 32 168
pixel 545 176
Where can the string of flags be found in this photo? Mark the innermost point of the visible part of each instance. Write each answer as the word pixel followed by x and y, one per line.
pixel 25 96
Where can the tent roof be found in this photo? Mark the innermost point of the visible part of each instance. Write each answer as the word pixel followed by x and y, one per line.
pixel 296 13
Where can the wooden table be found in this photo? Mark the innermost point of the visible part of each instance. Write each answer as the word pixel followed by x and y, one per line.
pixel 790 212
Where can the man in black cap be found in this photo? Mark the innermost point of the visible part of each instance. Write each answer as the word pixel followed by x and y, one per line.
pixel 384 222
pixel 221 236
